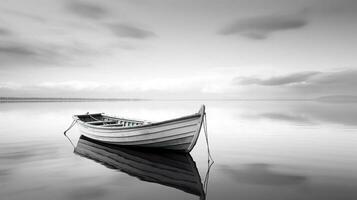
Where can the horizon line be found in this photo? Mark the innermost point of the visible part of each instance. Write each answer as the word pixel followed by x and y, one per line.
pixel 89 99
pixel 79 99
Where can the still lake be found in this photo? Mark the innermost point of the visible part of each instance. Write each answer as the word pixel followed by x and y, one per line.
pixel 262 150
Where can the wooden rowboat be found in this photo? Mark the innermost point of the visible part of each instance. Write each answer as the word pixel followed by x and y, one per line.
pixel 176 134
pixel 168 168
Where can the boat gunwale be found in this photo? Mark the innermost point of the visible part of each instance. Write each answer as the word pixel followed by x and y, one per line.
pixel 143 140
pixel 75 117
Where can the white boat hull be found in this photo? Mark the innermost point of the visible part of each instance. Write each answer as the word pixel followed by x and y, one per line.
pixel 176 134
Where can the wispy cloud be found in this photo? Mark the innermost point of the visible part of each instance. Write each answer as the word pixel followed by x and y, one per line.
pixel 16 50
pixel 119 29
pixel 87 10
pixel 339 82
pixel 87 86
pixel 294 78
pixel 129 31
pixel 4 173
pixel 339 77
pixel 12 54
pixel 302 84
pixel 24 15
pixel 4 32
pixel 21 54
pixel 261 27
pixel 170 86
pixel 72 85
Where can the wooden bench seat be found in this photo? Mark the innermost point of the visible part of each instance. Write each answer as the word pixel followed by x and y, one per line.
pixel 101 122
pixel 109 125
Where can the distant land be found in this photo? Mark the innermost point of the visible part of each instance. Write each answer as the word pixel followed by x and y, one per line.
pixel 327 99
pixel 338 99
pixel 64 99
pixel 56 99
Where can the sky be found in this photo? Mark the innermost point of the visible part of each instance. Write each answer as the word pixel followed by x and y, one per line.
pixel 178 48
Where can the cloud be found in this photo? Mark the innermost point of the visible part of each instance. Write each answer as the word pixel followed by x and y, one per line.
pixel 72 85
pixel 300 85
pixel 337 7
pixel 129 31
pixel 146 88
pixel 18 54
pixel 294 78
pixel 40 54
pixel 339 77
pixel 4 32
pixel 87 10
pixel 331 83
pixel 161 84
pixel 12 54
pixel 4 173
pixel 15 50
pixel 258 28
pixel 24 15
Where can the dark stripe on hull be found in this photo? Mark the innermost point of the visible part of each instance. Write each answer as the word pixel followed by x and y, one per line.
pixel 179 147
pixel 183 140
pixel 141 134
pixel 144 141
pixel 162 142
pixel 117 134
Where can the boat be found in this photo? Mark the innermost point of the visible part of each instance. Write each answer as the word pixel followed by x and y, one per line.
pixel 169 168
pixel 178 134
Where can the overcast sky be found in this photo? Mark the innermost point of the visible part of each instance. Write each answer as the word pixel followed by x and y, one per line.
pixel 178 48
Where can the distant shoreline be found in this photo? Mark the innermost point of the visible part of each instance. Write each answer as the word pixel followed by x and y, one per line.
pixel 327 99
pixel 55 99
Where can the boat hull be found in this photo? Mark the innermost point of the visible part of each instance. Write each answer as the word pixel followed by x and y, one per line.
pixel 178 134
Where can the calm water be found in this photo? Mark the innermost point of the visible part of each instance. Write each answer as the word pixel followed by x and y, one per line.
pixel 262 150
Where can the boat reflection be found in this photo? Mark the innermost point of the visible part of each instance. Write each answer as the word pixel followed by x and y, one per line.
pixel 173 169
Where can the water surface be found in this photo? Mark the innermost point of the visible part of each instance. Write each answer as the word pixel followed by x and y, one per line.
pixel 262 150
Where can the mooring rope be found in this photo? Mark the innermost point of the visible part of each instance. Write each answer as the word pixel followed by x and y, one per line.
pixel 70 141
pixel 210 159
pixel 207 143
pixel 73 123
pixel 205 183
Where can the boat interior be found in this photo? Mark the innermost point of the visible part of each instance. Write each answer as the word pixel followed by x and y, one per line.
pixel 106 121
